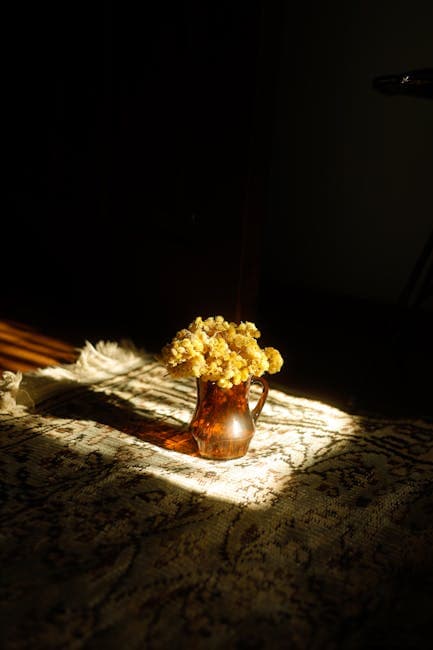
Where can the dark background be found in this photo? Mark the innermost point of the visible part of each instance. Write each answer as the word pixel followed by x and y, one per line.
pixel 170 160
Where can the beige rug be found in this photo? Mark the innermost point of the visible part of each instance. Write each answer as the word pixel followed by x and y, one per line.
pixel 115 534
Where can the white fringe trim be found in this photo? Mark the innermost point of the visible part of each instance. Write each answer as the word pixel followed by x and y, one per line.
pixel 9 388
pixel 95 363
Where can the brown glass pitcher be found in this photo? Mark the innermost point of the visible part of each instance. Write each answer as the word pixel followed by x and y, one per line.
pixel 223 423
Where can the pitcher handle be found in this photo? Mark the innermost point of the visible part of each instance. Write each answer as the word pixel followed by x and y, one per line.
pixel 262 399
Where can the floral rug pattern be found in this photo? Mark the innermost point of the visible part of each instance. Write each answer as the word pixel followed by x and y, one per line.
pixel 116 534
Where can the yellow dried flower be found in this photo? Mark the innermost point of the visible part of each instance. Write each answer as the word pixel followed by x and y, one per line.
pixel 220 351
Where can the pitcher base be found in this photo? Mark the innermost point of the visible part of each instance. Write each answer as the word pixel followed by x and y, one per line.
pixel 223 449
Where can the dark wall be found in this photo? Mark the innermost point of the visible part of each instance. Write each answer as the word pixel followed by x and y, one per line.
pixel 350 207
pixel 128 150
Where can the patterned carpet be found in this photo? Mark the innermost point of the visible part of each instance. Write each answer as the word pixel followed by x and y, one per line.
pixel 116 534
